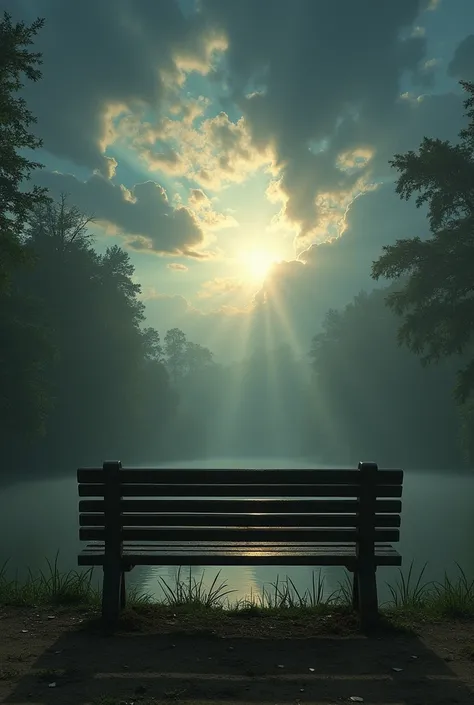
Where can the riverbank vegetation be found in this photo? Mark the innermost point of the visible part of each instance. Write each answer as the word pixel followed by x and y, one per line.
pixel 412 599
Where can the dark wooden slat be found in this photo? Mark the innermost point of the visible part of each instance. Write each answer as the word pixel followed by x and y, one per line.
pixel 235 534
pixel 319 546
pixel 168 519
pixel 231 477
pixel 230 506
pixel 223 559
pixel 343 555
pixel 239 490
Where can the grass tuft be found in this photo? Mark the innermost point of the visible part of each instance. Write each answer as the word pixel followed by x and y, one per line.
pixel 193 592
pixel 413 599
pixel 51 587
pixel 283 597
pixel 454 598
pixel 408 593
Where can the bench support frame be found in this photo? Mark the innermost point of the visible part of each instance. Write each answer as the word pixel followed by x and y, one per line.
pixel 115 564
pixel 113 586
pixel 365 571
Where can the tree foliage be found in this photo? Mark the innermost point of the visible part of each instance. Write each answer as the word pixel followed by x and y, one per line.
pixel 110 394
pixel 183 357
pixel 436 300
pixel 26 354
pixel 17 63
pixel 372 399
pixel 25 351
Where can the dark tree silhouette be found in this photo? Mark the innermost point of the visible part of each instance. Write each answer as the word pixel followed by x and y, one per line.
pixel 436 299
pixel 16 64
pixel 373 398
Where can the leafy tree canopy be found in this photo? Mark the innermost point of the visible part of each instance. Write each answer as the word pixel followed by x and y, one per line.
pixel 436 300
pixel 16 202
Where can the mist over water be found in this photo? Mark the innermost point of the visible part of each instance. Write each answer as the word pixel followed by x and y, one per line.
pixel 437 529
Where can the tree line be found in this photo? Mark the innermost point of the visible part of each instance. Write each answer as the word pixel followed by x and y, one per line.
pixel 83 378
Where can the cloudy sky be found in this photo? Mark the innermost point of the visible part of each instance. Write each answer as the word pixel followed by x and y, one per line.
pixel 214 138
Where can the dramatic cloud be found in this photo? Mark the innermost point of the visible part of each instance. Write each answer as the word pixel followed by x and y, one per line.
pixel 202 206
pixel 307 98
pixel 143 214
pixel 315 80
pixel 214 153
pixel 163 111
pixel 462 64
pixel 219 287
pixel 297 294
pixel 117 54
pixel 198 199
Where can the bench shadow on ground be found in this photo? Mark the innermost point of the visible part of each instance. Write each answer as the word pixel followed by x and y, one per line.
pixel 138 668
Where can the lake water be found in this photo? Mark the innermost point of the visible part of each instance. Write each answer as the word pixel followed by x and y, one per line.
pixel 437 529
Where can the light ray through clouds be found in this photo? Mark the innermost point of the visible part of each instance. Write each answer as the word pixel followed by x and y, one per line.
pixel 282 113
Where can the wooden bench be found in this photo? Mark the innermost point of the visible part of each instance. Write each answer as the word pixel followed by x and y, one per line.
pixel 240 517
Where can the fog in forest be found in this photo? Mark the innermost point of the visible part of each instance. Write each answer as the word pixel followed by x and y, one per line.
pixel 121 390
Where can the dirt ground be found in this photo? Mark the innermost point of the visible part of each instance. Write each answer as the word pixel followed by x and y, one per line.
pixel 61 657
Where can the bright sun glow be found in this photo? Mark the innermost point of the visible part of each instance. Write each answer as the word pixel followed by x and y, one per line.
pixel 257 264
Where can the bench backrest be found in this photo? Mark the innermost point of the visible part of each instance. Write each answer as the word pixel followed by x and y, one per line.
pixel 240 505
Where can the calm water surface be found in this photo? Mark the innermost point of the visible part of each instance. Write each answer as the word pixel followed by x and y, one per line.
pixel 437 529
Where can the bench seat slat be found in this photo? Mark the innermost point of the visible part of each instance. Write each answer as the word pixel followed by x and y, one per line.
pixel 231 533
pixel 240 490
pixel 230 477
pixel 230 545
pixel 243 553
pixel 247 519
pixel 233 506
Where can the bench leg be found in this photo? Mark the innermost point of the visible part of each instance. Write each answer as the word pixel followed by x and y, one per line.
pixel 367 594
pixel 123 595
pixel 111 595
pixel 355 591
